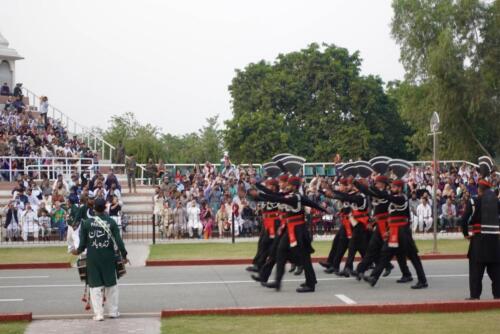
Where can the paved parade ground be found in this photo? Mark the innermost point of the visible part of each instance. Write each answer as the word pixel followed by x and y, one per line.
pixel 148 290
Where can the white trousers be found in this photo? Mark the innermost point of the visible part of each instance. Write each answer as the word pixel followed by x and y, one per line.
pixel 96 297
pixel 425 224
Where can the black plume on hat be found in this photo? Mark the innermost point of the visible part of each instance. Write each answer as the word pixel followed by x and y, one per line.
pixel 364 169
pixel 349 169
pixel 399 167
pixel 485 166
pixel 271 169
pixel 380 164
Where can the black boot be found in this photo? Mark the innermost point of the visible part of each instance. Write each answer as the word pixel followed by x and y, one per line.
pixel 324 264
pixel 388 270
pixel 359 276
pixel 256 278
pixel 331 270
pixel 370 280
pixel 292 269
pixel 420 285
pixel 405 279
pixel 252 268
pixel 273 285
pixel 305 288
pixel 299 271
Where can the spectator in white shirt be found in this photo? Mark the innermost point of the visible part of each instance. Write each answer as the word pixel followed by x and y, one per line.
pixel 29 223
pixel 194 223
pixel 424 215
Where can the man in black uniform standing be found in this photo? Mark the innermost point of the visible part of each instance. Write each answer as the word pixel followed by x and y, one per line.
pixel 484 248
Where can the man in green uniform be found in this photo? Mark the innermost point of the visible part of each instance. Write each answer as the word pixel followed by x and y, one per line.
pixel 98 235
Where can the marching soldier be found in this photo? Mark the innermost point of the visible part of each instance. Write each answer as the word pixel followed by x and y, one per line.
pixel 400 238
pixel 380 208
pixel 295 242
pixel 482 216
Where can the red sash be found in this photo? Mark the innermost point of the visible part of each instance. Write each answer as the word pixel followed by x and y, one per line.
pixel 344 220
pixel 361 217
pixel 381 219
pixel 395 222
pixel 269 219
pixel 291 222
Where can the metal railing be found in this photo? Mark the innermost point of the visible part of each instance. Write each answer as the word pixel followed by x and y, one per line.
pixel 51 165
pixel 93 141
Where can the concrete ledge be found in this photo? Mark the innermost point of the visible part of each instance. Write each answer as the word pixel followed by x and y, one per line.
pixel 55 265
pixel 430 307
pixel 209 262
pixel 9 317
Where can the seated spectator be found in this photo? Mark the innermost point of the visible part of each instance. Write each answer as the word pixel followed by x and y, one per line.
pixel 424 215
pixel 5 90
pixel 18 104
pixel 449 217
pixel 110 180
pixel 44 223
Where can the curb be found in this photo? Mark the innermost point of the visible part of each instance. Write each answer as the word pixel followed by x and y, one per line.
pixel 451 306
pixel 9 317
pixel 158 263
pixel 55 265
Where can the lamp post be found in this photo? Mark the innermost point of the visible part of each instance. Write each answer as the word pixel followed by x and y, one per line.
pixel 434 132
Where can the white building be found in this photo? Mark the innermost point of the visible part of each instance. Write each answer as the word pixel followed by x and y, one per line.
pixel 8 59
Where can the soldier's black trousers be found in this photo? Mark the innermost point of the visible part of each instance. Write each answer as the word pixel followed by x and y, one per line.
pixel 476 273
pixel 373 254
pixel 301 253
pixel 408 248
pixel 358 243
pixel 339 247
pixel 263 249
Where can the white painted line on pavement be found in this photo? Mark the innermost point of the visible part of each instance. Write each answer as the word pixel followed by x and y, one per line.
pixel 346 299
pixel 11 300
pixel 198 283
pixel 21 277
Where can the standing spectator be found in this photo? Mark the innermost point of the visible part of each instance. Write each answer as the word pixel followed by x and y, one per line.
pixel 424 215
pixel 29 223
pixel 120 153
pixel 19 104
pixel 221 218
pixel 158 200
pixel 12 226
pixel 59 220
pixel 111 179
pixel 180 220
pixel 130 166
pixel 18 91
pixel 5 90
pixel 206 220
pixel 44 109
pixel 161 169
pixel 193 213
pixel 151 171
pixel 449 216
pixel 167 218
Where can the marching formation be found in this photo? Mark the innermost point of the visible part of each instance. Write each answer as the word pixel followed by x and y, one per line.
pixel 374 222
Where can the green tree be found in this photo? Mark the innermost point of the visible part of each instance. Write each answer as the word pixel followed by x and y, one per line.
pixel 450 51
pixel 315 103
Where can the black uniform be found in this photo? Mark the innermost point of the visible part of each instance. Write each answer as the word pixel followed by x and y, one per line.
pixel 482 215
pixel 359 212
pixel 269 212
pixel 380 207
pixel 400 239
pixel 295 242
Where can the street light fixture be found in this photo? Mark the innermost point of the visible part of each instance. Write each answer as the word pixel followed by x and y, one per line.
pixel 434 132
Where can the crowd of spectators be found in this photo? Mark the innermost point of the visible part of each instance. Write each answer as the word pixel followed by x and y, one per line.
pixel 46 211
pixel 201 201
pixel 32 134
